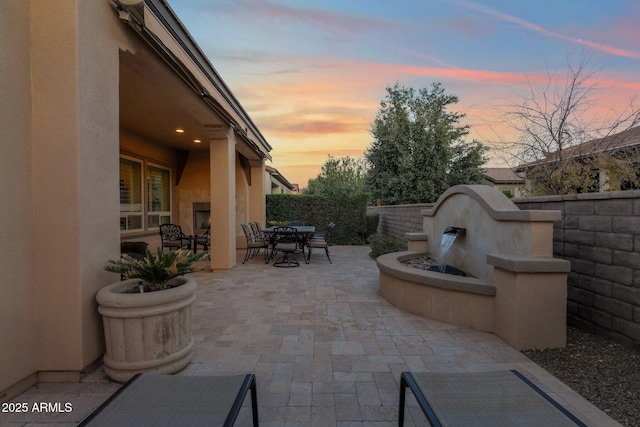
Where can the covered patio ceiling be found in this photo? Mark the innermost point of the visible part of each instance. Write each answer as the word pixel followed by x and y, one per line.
pixel 154 103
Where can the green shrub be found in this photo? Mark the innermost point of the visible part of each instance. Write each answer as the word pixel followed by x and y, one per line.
pixel 381 244
pixel 373 218
pixel 348 212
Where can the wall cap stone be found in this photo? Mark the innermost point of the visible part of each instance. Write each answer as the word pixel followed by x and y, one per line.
pixel 524 264
pixel 496 204
pixel 418 237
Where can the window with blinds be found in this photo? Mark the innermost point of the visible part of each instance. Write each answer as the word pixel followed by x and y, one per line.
pixel 159 201
pixel 152 203
pixel 130 195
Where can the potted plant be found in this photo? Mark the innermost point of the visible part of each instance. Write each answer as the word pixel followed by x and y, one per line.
pixel 147 316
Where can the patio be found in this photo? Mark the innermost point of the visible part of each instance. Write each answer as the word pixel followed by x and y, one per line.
pixel 325 347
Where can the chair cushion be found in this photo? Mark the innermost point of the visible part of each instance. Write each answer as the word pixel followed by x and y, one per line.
pixel 318 244
pixel 286 246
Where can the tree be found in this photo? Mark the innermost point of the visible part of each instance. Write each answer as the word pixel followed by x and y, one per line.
pixel 338 177
pixel 418 149
pixel 564 146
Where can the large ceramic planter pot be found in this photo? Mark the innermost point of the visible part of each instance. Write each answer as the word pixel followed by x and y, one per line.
pixel 148 332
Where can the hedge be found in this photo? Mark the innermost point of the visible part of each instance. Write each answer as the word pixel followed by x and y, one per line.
pixel 349 214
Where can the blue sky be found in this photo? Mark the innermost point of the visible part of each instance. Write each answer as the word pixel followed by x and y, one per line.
pixel 311 74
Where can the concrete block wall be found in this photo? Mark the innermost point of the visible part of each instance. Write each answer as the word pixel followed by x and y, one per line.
pixel 600 235
pixel 397 220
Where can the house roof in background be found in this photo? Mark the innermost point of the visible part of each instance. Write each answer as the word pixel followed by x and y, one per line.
pixel 279 177
pixel 502 176
pixel 621 141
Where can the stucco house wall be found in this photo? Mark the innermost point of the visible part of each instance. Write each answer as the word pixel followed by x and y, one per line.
pixel 18 359
pixel 61 112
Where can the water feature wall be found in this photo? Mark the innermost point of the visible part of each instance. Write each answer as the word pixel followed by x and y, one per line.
pixel 494 226
pixel 517 289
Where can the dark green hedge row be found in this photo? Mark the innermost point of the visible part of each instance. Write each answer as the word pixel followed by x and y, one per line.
pixel 349 214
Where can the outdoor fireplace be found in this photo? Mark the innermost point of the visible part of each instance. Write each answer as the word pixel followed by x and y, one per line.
pixel 201 217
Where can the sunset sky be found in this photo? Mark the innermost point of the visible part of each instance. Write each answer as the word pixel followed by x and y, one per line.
pixel 311 74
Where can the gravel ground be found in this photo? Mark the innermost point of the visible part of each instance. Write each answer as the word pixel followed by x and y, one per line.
pixel 605 373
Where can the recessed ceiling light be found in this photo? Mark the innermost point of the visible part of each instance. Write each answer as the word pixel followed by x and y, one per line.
pixel 179 130
pixel 197 141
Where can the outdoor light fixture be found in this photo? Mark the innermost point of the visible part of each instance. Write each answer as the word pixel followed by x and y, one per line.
pixel 179 130
pixel 197 141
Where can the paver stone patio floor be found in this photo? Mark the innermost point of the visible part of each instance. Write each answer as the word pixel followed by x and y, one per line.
pixel 326 349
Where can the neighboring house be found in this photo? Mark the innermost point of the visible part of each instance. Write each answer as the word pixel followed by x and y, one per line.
pixel 505 180
pixel 113 122
pixel 277 183
pixel 625 144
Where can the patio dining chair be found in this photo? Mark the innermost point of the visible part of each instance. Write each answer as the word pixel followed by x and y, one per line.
pixel 286 240
pixel 321 241
pixel 203 240
pixel 172 237
pixel 253 245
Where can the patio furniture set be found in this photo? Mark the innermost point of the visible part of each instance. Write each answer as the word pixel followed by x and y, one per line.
pixel 291 239
pixel 454 399
pixel 172 237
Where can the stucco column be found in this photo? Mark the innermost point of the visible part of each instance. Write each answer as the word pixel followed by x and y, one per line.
pixel 531 300
pixel 257 197
pixel 222 154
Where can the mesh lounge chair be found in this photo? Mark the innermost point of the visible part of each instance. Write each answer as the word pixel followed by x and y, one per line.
pixel 177 400
pixel 321 241
pixel 502 398
pixel 173 238
pixel 253 245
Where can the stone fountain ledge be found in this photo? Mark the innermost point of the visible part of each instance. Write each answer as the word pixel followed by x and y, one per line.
pixel 392 264
pixel 458 300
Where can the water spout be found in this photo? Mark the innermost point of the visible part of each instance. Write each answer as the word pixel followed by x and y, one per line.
pixel 457 231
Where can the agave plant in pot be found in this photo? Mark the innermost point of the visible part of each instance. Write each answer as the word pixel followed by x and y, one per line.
pixel 147 316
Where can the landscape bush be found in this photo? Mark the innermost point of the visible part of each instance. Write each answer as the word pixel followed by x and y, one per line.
pixel 382 244
pixel 348 212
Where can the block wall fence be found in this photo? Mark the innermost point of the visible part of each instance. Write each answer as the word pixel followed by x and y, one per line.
pixel 600 235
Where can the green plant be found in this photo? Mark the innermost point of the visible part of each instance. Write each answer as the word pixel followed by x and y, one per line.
pixel 381 244
pixel 373 218
pixel 158 269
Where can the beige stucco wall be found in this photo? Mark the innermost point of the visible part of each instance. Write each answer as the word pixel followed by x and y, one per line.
pixel 59 214
pixel 60 159
pixel 17 308
pixel 75 162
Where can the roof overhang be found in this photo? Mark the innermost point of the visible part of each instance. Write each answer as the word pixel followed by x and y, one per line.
pixel 177 76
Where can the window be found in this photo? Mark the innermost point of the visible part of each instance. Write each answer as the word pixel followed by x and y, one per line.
pixel 152 203
pixel 130 195
pixel 159 202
